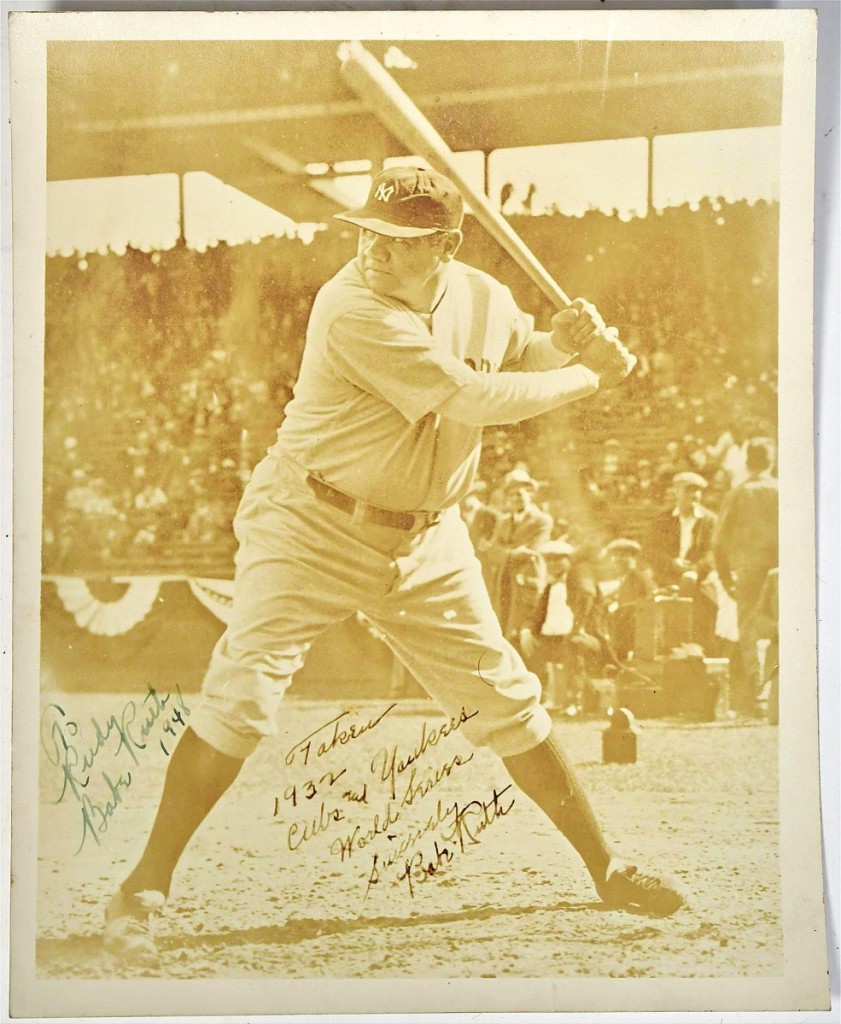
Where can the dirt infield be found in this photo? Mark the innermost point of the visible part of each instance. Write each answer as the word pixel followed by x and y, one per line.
pixel 469 880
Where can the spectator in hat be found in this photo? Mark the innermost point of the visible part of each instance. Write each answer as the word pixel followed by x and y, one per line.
pixel 523 525
pixel 679 549
pixel 746 549
pixel 681 539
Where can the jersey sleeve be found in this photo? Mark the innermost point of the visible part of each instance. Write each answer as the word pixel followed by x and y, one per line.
pixel 382 353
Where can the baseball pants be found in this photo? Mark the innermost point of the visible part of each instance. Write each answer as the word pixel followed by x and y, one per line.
pixel 303 565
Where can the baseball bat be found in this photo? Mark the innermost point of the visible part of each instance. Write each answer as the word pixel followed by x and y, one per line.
pixel 375 87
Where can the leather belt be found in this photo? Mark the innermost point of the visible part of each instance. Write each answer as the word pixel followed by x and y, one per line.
pixel 362 512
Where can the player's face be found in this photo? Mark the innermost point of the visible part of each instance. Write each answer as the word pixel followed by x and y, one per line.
pixel 403 268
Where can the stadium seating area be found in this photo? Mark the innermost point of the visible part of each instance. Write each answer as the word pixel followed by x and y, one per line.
pixel 166 376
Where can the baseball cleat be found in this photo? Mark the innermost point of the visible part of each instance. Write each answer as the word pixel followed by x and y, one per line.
pixel 128 925
pixel 625 888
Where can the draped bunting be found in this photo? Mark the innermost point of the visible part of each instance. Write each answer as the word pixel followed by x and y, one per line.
pixel 108 618
pixel 125 633
pixel 104 617
pixel 216 595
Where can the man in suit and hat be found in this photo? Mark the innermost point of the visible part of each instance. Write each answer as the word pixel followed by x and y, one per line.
pixel 523 525
pixel 680 550
pixel 681 539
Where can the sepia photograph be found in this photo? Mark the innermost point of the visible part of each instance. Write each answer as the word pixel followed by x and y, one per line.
pixel 414 595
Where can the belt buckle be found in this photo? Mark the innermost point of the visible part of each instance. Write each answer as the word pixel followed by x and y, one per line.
pixel 423 520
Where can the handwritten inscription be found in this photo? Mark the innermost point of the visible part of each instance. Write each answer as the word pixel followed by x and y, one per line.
pixel 324 739
pixel 323 818
pixel 389 816
pixel 361 836
pixel 388 763
pixel 87 759
pixel 459 826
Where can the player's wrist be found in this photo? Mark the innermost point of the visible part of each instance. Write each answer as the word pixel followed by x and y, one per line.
pixel 591 376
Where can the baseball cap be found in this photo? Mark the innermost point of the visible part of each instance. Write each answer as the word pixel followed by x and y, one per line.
pixel 408 202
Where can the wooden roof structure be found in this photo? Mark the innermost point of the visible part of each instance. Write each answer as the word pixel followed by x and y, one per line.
pixel 254 114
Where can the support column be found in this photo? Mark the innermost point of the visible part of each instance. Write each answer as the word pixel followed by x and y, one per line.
pixel 182 233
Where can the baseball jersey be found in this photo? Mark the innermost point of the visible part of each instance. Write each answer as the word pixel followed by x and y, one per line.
pixel 373 372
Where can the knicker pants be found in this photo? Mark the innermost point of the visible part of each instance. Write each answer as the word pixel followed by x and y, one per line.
pixel 303 564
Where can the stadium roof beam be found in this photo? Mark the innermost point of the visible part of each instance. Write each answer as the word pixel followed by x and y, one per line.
pixel 254 112
pixel 462 97
pixel 289 166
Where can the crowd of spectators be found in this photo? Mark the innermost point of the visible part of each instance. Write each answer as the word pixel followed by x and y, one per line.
pixel 166 376
pixel 578 610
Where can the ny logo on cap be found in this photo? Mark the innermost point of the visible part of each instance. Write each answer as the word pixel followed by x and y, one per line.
pixel 385 190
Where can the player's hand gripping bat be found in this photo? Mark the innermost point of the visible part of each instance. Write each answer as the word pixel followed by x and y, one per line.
pixel 387 101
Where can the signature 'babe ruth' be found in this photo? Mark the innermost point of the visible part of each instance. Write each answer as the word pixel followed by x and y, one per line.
pixel 409 354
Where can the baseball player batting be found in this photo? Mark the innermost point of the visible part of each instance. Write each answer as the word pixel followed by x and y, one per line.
pixel 409 354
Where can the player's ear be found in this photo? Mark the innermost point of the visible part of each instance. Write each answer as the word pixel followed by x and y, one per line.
pixel 450 242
